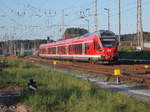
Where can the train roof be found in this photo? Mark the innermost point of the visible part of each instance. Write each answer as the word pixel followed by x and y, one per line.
pixel 88 36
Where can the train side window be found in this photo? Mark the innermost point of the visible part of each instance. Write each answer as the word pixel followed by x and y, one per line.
pixel 70 48
pixel 63 50
pixel 59 50
pixel 54 50
pixel 96 45
pixel 78 49
pixel 49 50
pixel 87 47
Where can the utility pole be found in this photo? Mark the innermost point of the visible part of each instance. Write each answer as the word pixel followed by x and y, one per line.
pixel 140 24
pixel 108 11
pixel 63 22
pixel 119 20
pixel 96 17
pixel 22 48
pixel 88 24
pixel 85 17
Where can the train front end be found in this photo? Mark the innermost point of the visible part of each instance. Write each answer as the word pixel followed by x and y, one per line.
pixel 109 46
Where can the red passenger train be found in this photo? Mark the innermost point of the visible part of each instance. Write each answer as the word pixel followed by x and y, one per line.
pixel 97 47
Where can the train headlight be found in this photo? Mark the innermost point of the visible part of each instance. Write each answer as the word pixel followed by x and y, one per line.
pixel 109 50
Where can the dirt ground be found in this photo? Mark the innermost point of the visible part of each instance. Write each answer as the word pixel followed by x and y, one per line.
pixel 9 99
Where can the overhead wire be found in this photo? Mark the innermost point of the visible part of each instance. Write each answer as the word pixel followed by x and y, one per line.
pixel 75 14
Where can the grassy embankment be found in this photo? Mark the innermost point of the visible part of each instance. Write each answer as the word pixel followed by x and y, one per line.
pixel 59 92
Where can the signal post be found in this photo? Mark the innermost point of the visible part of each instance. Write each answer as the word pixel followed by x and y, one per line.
pixel 117 73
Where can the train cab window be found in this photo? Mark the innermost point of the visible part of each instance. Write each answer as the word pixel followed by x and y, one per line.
pixel 108 42
pixel 108 38
pixel 96 45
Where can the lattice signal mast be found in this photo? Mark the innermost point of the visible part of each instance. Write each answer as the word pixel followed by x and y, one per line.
pixel 96 16
pixel 140 25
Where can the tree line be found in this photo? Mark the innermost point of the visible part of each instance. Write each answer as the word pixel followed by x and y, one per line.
pixel 133 37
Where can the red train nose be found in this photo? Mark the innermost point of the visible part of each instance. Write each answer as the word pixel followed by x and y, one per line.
pixel 108 57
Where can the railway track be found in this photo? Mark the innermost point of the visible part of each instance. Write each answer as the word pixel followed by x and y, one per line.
pixel 135 73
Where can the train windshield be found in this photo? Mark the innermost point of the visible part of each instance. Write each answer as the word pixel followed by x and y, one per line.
pixel 107 38
pixel 109 42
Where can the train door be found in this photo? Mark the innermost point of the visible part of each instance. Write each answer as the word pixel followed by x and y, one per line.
pixel 97 47
pixel 87 48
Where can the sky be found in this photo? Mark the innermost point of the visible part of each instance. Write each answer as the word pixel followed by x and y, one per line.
pixel 37 19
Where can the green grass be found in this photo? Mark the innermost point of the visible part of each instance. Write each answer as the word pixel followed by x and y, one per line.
pixel 59 92
pixel 126 49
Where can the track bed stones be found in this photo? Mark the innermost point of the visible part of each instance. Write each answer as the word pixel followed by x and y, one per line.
pixel 15 108
pixel 131 72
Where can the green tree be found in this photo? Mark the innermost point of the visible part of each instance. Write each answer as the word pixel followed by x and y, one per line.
pixel 74 32
pixel 133 37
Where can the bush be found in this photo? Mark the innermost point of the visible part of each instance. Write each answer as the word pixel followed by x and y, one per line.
pixel 126 49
